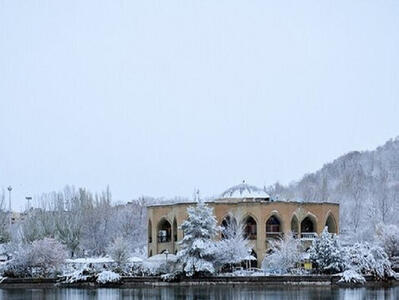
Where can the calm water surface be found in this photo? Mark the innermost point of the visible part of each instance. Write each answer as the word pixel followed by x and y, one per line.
pixel 204 292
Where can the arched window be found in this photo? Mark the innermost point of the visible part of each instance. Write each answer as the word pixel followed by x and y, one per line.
pixel 273 228
pixel 164 231
pixel 174 230
pixel 331 225
pixel 294 226
pixel 229 227
pixel 149 231
pixel 308 228
pixel 250 228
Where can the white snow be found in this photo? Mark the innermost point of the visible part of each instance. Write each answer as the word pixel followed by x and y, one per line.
pixel 351 276
pixel 91 260
pixel 162 258
pixel 100 260
pixel 108 276
pixel 135 259
pixel 244 190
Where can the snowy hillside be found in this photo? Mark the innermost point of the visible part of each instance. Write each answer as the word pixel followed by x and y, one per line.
pixel 366 184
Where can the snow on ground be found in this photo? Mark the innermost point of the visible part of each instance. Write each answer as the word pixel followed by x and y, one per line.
pixel 244 273
pixel 90 260
pixel 162 258
pixel 135 259
pixel 100 260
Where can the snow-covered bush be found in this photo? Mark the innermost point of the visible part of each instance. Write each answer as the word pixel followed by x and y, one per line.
pixel 108 277
pixel 197 249
pixel 351 276
pixel 234 247
pixel 47 253
pixel 326 253
pixel 153 268
pixel 119 251
pixel 369 260
pixel 82 274
pixel 387 236
pixel 42 257
pixel 285 254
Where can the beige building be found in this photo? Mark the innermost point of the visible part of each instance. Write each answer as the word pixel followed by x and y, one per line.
pixel 263 219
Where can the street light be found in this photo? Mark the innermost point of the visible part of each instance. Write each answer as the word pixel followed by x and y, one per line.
pixel 9 197
pixel 9 203
pixel 166 253
pixel 28 198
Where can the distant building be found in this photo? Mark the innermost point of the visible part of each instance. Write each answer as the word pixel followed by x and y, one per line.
pixel 17 217
pixel 264 219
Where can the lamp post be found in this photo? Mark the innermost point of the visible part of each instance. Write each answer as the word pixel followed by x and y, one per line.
pixel 9 197
pixel 28 198
pixel 9 202
pixel 166 254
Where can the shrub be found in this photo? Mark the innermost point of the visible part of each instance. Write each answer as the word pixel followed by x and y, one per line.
pixel 119 251
pixel 108 277
pixel 41 258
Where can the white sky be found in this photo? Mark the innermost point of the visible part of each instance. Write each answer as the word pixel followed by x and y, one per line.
pixel 161 97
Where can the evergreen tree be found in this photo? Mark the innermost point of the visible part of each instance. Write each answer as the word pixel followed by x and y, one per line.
pixel 326 253
pixel 197 248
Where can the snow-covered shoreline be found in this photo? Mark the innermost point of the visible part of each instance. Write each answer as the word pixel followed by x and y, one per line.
pixel 270 280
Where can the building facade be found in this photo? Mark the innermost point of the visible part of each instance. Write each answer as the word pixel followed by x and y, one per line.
pixel 263 219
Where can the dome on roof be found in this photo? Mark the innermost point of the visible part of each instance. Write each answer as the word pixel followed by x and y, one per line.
pixel 244 190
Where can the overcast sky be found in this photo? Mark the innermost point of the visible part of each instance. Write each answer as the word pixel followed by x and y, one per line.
pixel 160 97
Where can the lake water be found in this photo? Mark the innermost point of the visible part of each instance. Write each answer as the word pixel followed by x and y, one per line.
pixel 204 292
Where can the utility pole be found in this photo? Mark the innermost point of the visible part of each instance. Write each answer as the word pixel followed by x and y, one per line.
pixel 28 198
pixel 9 203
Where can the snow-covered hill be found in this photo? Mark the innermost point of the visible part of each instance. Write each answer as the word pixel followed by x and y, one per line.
pixel 366 184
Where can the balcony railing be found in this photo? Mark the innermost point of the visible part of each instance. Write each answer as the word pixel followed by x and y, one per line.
pixel 308 235
pixel 274 235
pixel 163 239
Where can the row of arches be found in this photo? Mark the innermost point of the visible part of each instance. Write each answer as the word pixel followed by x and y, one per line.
pixel 274 228
pixel 307 227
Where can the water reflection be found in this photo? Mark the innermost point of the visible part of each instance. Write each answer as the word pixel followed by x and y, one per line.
pixel 228 292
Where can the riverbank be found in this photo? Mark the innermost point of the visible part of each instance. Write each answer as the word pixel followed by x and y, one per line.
pixel 133 282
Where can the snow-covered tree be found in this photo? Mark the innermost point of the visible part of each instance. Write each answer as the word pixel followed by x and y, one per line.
pixel 368 260
pixel 364 183
pixel 130 223
pixel 197 248
pixel 39 224
pixel 284 255
pixel 233 248
pixel 46 255
pixel 4 220
pixel 119 251
pixel 69 230
pixel 326 253
pixel 387 236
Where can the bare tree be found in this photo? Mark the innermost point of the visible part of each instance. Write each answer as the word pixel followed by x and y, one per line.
pixel 4 222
